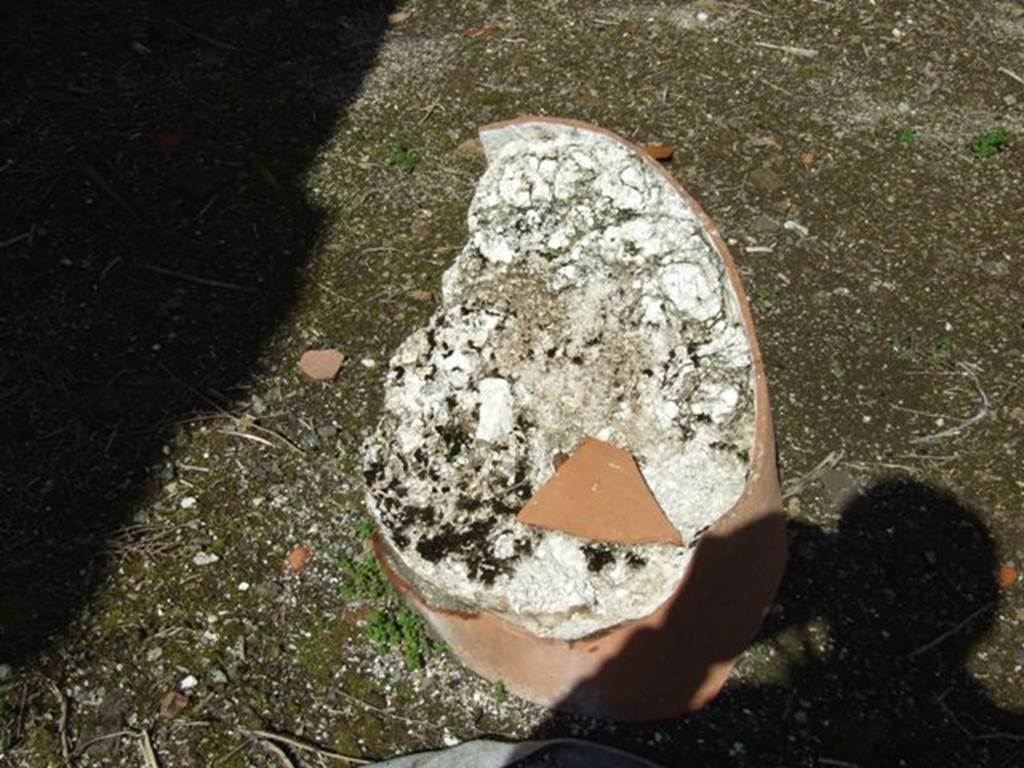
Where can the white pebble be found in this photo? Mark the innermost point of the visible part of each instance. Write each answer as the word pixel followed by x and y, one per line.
pixel 188 682
pixel 448 738
pixel 204 558
pixel 796 226
pixel 496 417
pixel 188 502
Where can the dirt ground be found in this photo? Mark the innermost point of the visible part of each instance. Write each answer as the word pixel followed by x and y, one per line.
pixel 196 193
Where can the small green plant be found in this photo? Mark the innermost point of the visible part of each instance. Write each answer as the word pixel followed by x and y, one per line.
pixel 415 643
pixel 836 369
pixel 500 693
pixel 364 579
pixel 402 157
pixel 382 631
pixel 365 529
pixel 942 352
pixel 905 349
pixel 391 629
pixel 873 327
pixel 990 144
pixel 391 626
pixel 766 295
pixel 907 137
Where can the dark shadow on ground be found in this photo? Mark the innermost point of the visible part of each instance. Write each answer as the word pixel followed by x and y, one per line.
pixel 871 669
pixel 154 235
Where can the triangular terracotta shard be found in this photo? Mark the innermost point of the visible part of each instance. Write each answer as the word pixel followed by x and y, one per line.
pixel 599 493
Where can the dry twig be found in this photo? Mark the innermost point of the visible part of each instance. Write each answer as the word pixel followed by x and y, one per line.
pixel 304 746
pixel 385 711
pixel 1012 75
pixel 104 737
pixel 199 280
pixel 793 50
pixel 146 747
pixel 14 240
pixel 949 632
pixel 941 701
pixel 203 37
pixel 984 411
pixel 797 485
pixel 100 182
pixel 276 751
pixel 247 436
pixel 62 723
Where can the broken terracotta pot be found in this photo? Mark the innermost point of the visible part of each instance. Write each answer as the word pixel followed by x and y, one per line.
pixel 574 475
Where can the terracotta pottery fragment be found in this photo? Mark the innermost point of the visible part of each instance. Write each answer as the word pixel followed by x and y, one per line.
pixel 321 364
pixel 598 493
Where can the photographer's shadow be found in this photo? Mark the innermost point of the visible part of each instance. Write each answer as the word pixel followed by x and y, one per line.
pixel 867 649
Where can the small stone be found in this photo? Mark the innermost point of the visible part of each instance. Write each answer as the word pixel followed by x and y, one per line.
pixel 1009 100
pixel 218 677
pixel 296 560
pixel 368 362
pixel 764 225
pixel 419 294
pixel 398 17
pixel 470 149
pixel 188 502
pixel 268 590
pixel 449 739
pixel 796 226
pixel 326 431
pixel 172 703
pixel 204 558
pixel 154 653
pixel 188 682
pixel 766 180
pixel 321 364
pixel 243 586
